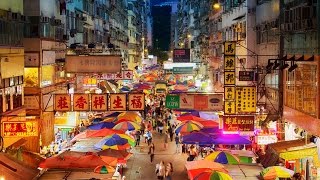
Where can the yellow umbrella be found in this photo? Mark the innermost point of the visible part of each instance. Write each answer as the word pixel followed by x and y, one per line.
pixel 131 116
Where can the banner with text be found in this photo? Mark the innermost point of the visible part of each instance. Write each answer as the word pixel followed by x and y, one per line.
pixel 20 129
pixel 202 102
pixel 99 102
pixel 238 123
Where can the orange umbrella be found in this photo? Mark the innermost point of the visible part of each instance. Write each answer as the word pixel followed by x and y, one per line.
pixel 204 164
pixel 105 132
pixel 104 169
pixel 83 135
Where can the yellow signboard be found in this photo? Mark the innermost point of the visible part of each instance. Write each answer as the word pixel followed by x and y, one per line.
pixel 229 78
pixel 81 102
pixel 230 48
pixel 229 93
pixel 229 107
pixel 229 63
pixel 20 129
pixel 246 99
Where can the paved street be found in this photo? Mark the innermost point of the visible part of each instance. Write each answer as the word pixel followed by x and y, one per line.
pixel 141 159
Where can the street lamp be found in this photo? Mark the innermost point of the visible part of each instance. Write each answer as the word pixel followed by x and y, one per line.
pixel 216 6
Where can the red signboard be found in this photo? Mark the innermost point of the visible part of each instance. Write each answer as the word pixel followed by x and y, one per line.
pixel 81 102
pixel 99 102
pixel 62 102
pixel 136 102
pixel 20 129
pixel 201 102
pixel 238 123
pixel 118 102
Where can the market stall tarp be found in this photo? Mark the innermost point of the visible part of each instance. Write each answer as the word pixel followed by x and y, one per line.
pixel 197 138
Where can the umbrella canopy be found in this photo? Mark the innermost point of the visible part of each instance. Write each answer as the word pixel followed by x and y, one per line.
pixel 203 164
pixel 197 138
pixel 111 141
pixel 83 135
pixel 142 86
pixel 104 169
pixel 189 117
pixel 119 154
pixel 125 89
pixel 101 125
pixel 230 139
pixel 114 114
pixel 104 132
pixel 223 157
pixel 116 147
pixel 188 126
pixel 212 175
pixel 274 172
pixel 96 120
pixel 132 116
pixel 127 125
pixel 180 87
pixel 209 124
pixel 130 139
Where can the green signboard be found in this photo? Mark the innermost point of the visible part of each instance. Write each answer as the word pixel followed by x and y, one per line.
pixel 172 101
pixel 182 70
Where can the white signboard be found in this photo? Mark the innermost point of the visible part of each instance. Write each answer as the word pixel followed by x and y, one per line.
pixel 266 139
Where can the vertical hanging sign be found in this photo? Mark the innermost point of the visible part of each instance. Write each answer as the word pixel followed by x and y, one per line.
pixel 229 77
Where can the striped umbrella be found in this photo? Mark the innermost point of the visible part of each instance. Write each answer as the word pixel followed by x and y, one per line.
pixel 223 157
pixel 110 142
pixel 132 116
pixel 130 139
pixel 127 125
pixel 104 169
pixel 188 126
pixel 212 175
pixel 274 172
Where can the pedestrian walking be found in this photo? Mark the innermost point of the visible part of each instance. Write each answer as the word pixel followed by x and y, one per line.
pixel 177 140
pixel 160 170
pixel 166 137
pixel 151 152
pixel 169 171
pixel 142 127
pixel 170 130
pixel 137 138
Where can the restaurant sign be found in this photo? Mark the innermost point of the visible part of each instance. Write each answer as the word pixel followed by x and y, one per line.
pixel 93 64
pixel 20 128
pixel 238 123
pixel 99 102
pixel 201 102
pixel 181 55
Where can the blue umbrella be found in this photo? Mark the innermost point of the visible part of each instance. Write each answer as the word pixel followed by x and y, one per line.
pixel 111 141
pixel 115 114
pixel 96 120
pixel 125 89
pixel 214 130
pixel 101 125
pixel 197 138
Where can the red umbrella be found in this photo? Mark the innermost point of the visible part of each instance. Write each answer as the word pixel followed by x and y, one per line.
pixel 83 135
pixel 209 124
pixel 123 120
pixel 190 117
pixel 105 132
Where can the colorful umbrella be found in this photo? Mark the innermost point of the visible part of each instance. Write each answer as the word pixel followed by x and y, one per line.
pixel 101 125
pixel 212 175
pixel 127 125
pixel 83 135
pixel 96 120
pixel 104 169
pixel 103 132
pixel 132 116
pixel 130 139
pixel 125 89
pixel 119 154
pixel 109 141
pixel 274 172
pixel 189 117
pixel 197 138
pixel 203 164
pixel 188 126
pixel 222 157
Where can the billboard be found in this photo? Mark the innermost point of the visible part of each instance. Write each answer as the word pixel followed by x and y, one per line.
pixel 93 64
pixel 181 55
pixel 238 123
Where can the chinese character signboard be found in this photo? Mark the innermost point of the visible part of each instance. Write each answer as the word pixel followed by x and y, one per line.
pixel 136 102
pixel 123 75
pixel 229 63
pixel 230 48
pixel 181 55
pixel 246 76
pixel 93 64
pixel 230 93
pixel 118 102
pixel 229 78
pixel 20 129
pixel 246 99
pixel 238 123
pixel 62 102
pixel 229 107
pixel 99 102
pixel 172 101
pixel 127 74
pixel 81 102
pixel 186 101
